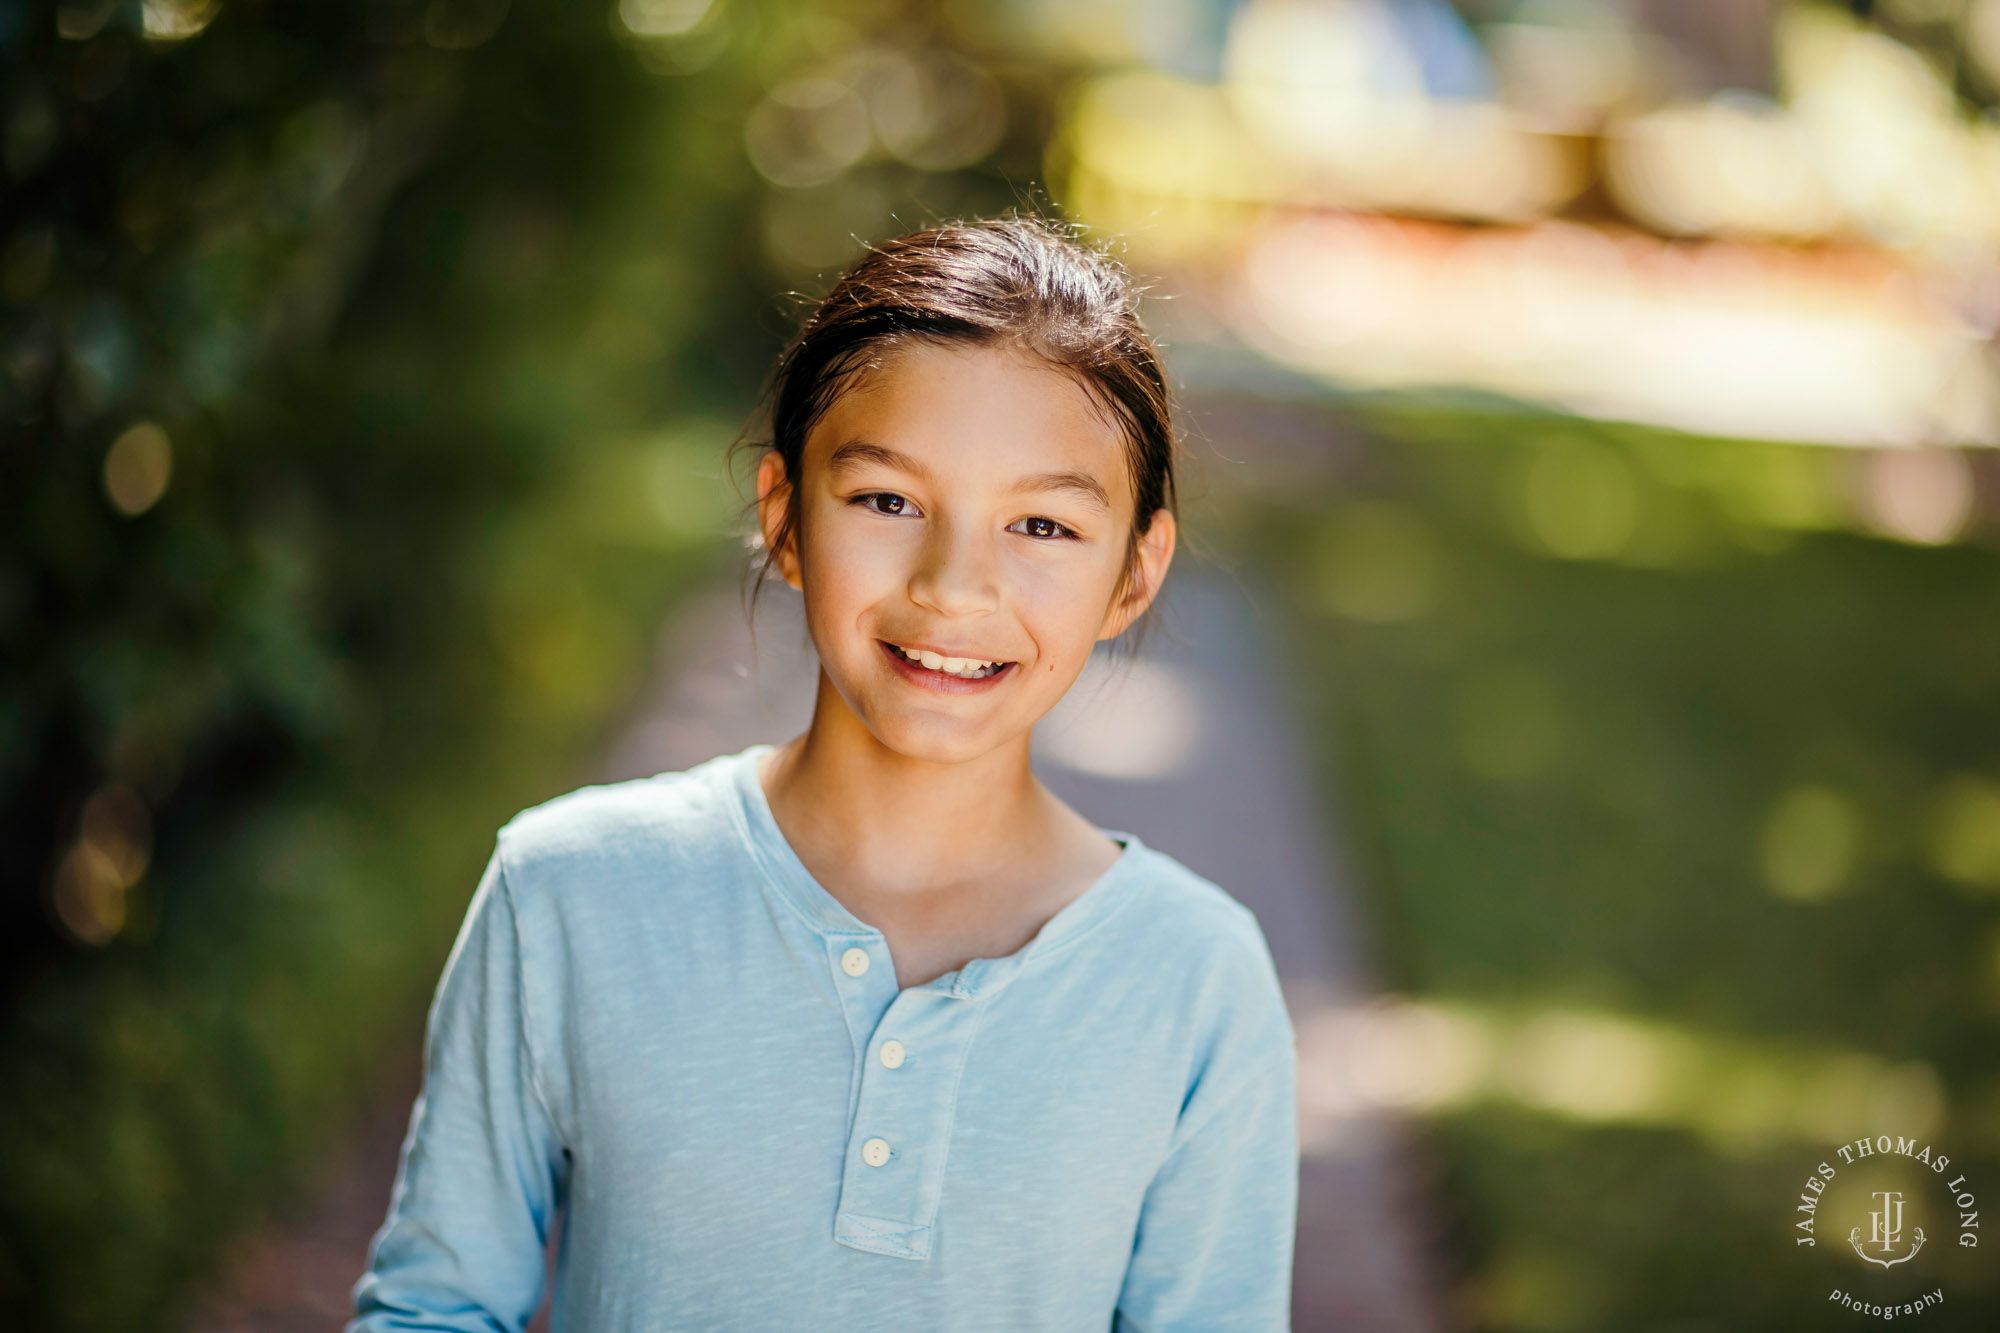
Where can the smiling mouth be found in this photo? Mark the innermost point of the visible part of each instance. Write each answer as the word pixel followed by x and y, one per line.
pixel 960 668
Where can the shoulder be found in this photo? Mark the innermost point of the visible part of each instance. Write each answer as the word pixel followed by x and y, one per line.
pixel 608 833
pixel 1205 953
pixel 1198 993
pixel 1179 914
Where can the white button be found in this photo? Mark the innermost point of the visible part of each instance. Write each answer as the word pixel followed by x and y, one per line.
pixel 892 1054
pixel 854 962
pixel 875 1152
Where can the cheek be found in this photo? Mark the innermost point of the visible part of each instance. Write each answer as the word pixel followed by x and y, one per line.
pixel 845 564
pixel 1064 603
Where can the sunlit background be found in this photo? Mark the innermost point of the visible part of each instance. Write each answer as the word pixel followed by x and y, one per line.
pixel 1603 391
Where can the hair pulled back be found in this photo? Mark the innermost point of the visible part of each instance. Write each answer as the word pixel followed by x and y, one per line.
pixel 1017 281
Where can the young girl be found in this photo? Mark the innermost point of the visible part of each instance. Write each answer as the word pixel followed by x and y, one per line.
pixel 868 1030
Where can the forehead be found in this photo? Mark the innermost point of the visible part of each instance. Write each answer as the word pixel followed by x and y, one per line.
pixel 970 411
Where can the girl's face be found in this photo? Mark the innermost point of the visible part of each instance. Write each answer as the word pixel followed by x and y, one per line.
pixel 969 503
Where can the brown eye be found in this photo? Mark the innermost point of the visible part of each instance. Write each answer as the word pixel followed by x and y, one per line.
pixel 1047 528
pixel 887 497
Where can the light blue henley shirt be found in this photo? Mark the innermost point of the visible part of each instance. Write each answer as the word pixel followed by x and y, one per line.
pixel 655 1021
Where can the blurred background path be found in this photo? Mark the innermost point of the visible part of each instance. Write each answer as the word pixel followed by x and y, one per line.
pixel 1190 745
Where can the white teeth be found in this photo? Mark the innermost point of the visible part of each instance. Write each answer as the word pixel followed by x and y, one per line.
pixel 969 667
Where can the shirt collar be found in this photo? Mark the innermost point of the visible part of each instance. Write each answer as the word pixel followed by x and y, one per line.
pixel 750 810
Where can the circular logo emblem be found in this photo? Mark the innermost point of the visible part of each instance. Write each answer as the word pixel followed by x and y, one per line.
pixel 1888 1219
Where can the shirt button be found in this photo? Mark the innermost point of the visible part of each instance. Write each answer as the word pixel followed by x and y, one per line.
pixel 875 1152
pixel 854 962
pixel 892 1054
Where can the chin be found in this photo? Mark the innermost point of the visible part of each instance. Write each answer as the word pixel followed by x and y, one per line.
pixel 914 739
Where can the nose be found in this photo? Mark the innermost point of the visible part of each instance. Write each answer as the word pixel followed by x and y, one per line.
pixel 956 573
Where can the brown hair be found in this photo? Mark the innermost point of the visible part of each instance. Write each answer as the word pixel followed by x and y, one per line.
pixel 1027 281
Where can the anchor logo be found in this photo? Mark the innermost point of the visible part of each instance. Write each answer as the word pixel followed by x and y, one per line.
pixel 1885 1231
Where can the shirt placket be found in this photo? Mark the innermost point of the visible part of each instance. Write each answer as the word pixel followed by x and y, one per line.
pixel 912 1052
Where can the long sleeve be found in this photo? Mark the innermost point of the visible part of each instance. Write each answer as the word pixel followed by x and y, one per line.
pixel 1216 1231
pixel 483 1166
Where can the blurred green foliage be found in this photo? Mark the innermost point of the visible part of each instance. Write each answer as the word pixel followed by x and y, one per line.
pixel 367 374
pixel 1676 746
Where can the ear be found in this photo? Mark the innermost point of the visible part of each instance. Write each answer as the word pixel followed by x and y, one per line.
pixel 1156 552
pixel 774 491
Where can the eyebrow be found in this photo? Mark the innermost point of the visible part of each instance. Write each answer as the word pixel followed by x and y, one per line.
pixel 857 454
